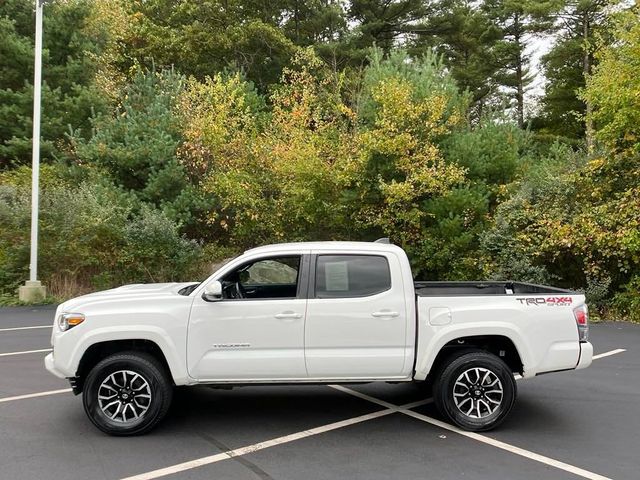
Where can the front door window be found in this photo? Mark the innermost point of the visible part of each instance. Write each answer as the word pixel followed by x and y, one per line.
pixel 270 278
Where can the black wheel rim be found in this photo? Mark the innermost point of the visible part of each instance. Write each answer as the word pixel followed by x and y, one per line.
pixel 478 393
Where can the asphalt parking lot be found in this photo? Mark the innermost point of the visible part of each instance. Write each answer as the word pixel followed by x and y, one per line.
pixel 583 424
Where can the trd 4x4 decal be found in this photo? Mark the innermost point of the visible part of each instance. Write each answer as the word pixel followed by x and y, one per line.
pixel 551 301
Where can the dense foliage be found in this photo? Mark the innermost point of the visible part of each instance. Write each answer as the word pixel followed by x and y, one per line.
pixel 69 94
pixel 91 234
pixel 177 134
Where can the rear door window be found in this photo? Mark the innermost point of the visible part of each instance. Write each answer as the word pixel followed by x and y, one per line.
pixel 342 276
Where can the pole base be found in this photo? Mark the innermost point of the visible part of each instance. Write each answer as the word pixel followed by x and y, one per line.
pixel 32 292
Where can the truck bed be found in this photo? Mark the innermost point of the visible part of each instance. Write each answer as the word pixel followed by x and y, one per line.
pixel 445 289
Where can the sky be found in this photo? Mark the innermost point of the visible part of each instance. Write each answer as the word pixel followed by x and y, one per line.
pixel 539 46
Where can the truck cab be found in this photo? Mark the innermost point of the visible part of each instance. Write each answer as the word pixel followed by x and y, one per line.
pixel 307 312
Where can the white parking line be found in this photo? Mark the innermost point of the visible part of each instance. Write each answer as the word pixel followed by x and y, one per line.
pixel 181 467
pixel 34 395
pixel 13 329
pixel 25 352
pixel 482 438
pixel 509 448
pixel 488 440
pixel 366 397
pixel 389 408
pixel 607 354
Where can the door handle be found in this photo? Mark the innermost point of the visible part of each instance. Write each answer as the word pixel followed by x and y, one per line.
pixel 288 316
pixel 385 313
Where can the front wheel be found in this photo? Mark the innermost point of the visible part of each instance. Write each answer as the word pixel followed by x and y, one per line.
pixel 476 391
pixel 127 394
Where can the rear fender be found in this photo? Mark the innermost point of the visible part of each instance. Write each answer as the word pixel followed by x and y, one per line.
pixel 428 351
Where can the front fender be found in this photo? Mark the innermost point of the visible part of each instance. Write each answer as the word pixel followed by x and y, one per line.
pixel 77 347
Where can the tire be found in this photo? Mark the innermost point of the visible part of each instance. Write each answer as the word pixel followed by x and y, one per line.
pixel 475 390
pixel 139 386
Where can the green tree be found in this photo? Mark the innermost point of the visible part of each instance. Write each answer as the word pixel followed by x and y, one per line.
pixel 578 25
pixel 205 37
pixel 381 22
pixel 562 112
pixel 314 22
pixel 517 21
pixel 321 24
pixel 137 145
pixel 614 88
pixel 69 94
pixel 466 38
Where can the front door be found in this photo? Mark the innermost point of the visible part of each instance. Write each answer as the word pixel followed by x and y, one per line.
pixel 256 332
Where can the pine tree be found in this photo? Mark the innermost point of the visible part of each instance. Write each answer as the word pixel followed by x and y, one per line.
pixel 578 23
pixel 518 21
pixel 466 38
pixel 383 21
pixel 562 112
pixel 68 95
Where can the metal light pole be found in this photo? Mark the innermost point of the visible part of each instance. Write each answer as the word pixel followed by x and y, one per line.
pixel 33 291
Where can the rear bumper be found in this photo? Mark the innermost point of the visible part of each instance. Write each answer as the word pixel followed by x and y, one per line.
pixel 586 355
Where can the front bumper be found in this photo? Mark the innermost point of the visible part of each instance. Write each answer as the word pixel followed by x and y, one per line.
pixel 586 355
pixel 50 365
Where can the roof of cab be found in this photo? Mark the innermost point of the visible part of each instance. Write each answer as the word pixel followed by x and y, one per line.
pixel 337 246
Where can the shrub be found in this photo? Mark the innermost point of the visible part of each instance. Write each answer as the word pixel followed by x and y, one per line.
pixel 626 303
pixel 92 235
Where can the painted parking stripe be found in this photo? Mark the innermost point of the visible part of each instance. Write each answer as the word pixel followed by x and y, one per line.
pixel 481 438
pixel 488 440
pixel 366 397
pixel 509 448
pixel 181 467
pixel 218 457
pixel 8 354
pixel 13 329
pixel 608 354
pixel 34 395
pixel 389 409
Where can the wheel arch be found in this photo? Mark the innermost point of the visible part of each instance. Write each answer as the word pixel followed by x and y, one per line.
pixel 100 350
pixel 500 345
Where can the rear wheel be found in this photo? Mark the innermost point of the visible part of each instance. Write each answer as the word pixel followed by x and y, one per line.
pixel 475 390
pixel 127 394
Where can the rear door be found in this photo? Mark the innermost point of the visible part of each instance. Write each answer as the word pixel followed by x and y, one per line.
pixel 356 324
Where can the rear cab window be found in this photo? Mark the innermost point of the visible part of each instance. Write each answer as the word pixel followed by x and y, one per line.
pixel 345 276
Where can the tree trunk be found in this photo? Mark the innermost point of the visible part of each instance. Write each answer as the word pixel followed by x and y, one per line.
pixel 296 18
pixel 519 80
pixel 586 71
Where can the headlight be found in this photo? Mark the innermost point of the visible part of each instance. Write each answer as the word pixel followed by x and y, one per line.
pixel 69 320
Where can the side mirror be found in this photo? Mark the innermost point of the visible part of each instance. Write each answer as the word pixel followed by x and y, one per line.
pixel 213 292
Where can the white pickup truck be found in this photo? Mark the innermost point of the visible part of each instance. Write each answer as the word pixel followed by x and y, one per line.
pixel 323 312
